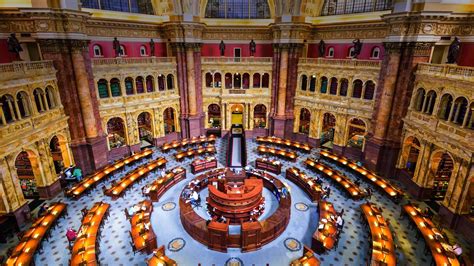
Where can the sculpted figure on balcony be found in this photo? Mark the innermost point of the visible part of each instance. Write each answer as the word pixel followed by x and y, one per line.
pixel 14 45
pixel 322 48
pixel 253 48
pixel 152 47
pixel 222 47
pixel 116 46
pixel 357 48
pixel 453 52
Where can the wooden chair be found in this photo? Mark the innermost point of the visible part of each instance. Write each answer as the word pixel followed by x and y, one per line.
pixel 127 214
pixel 133 248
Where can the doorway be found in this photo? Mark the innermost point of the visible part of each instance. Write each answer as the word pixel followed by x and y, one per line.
pixel 237 114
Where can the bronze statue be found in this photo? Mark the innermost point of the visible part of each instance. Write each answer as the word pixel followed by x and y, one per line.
pixel 116 46
pixel 222 47
pixel 357 48
pixel 14 45
pixel 453 52
pixel 322 48
pixel 253 48
pixel 152 47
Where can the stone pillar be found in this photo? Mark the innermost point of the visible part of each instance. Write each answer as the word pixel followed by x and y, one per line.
pixel 3 120
pixel 392 98
pixel 79 98
pixel 12 111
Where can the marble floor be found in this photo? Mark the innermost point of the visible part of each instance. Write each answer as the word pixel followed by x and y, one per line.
pixel 115 248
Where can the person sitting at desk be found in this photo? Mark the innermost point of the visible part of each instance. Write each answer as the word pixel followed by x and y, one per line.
pixel 71 236
pixel 77 173
pixel 339 222
pixel 43 208
pixel 146 189
pixel 457 249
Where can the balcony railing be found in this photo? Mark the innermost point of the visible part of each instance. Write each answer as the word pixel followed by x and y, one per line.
pixel 25 69
pixel 353 63
pixel 233 60
pixel 132 61
pixel 448 71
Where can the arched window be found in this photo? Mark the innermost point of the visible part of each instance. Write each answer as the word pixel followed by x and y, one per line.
pixel 170 81
pixel 357 88
pixel 50 99
pixel 333 88
pixel 97 50
pixel 143 50
pixel 459 110
pixel 23 102
pixel 260 116
pixel 333 7
pixel 256 80
pixel 145 131
pixel 237 81
pixel 420 98
pixel 214 116
pixel 150 83
pixel 161 82
pixel 26 174
pixel 208 79
pixel 375 53
pixel 228 81
pixel 8 108
pixel 39 100
pixel 445 106
pixel 350 52
pixel 116 132
pixel 217 80
pixel 245 80
pixel 102 88
pixel 442 165
pixel 115 87
pixel 429 102
pixel 305 120
pixel 139 85
pixel 324 85
pixel 129 86
pixel 168 118
pixel 237 9
pixel 410 153
pixel 312 83
pixel 132 6
pixel 369 90
pixel 304 82
pixel 330 52
pixel 356 136
pixel 122 51
pixel 329 125
pixel 344 87
pixel 265 80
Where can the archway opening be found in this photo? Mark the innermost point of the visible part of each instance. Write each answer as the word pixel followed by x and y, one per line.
pixel 214 116
pixel 260 116
pixel 116 132
pixel 237 112
pixel 168 118
pixel 26 176
pixel 328 128
pixel 145 129
pixel 410 155
pixel 442 166
pixel 56 153
pixel 356 136
pixel 305 121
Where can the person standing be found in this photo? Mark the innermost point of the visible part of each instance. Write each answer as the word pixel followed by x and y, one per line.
pixel 71 236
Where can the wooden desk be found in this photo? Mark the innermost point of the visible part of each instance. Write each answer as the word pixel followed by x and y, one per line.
pixel 24 252
pixel 143 239
pixel 162 184
pixel 284 143
pixel 84 249
pixel 201 165
pixel 91 180
pixel 308 259
pixel 159 258
pixel 433 237
pixel 185 142
pixel 351 189
pixel 128 180
pixel 288 155
pixel 383 248
pixel 384 185
pixel 308 184
pixel 270 165
pixel 325 239
pixel 209 149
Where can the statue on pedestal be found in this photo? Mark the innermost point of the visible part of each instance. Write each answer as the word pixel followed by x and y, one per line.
pixel 322 48
pixel 222 47
pixel 453 52
pixel 14 46
pixel 253 48
pixel 116 46
pixel 152 48
pixel 357 48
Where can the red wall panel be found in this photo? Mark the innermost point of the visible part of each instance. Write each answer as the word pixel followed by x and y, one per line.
pixel 5 56
pixel 341 50
pixel 132 49
pixel 212 49
pixel 466 54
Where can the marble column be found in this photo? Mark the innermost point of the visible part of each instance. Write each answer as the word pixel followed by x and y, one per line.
pixel 191 80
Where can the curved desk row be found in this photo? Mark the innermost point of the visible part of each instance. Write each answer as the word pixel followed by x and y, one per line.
pixel 185 142
pixel 383 247
pixel 433 237
pixel 91 180
pixel 270 165
pixel 209 149
pixel 143 236
pixel 326 235
pixel 393 192
pixel 159 258
pixel 201 165
pixel 24 252
pixel 305 182
pixel 128 180
pixel 351 189
pixel 288 155
pixel 84 251
pixel 284 143
pixel 162 184
pixel 308 259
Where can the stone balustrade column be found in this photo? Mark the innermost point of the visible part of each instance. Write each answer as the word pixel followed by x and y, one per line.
pixel 12 111
pixel 17 109
pixel 3 120
pixel 109 90
pixel 45 101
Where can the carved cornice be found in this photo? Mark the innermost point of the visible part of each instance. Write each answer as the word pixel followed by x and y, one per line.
pixel 107 28
pixel 183 32
pixel 360 31
pixel 237 33
pixel 296 32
